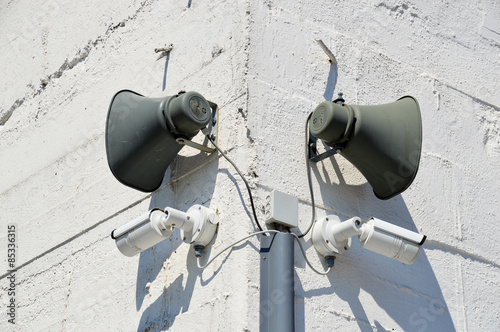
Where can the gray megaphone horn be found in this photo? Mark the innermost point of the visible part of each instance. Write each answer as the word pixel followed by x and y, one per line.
pixel 384 142
pixel 143 134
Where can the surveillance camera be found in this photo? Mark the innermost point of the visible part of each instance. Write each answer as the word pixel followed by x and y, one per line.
pixel 330 236
pixel 197 227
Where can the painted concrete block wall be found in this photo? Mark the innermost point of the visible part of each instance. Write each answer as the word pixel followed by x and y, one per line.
pixel 61 63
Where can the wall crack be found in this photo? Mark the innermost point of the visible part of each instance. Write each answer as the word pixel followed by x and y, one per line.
pixel 80 56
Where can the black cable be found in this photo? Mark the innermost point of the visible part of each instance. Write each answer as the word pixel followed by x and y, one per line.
pixel 309 180
pixel 242 177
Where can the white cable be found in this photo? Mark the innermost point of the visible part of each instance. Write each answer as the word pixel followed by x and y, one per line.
pixel 307 260
pixel 261 232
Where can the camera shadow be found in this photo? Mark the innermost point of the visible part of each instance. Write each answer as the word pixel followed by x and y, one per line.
pixel 409 294
pixel 188 181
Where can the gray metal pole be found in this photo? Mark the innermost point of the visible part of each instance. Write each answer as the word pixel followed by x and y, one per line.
pixel 277 297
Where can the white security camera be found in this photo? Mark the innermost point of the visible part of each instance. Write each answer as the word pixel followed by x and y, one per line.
pixel 197 225
pixel 330 236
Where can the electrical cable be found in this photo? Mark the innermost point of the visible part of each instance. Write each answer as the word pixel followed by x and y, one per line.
pixel 232 245
pixel 297 237
pixel 307 260
pixel 244 180
pixel 262 232
pixel 309 180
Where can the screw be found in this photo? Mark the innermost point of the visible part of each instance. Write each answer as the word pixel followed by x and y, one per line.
pixel 212 137
pixel 214 121
pixel 198 251
pixel 330 261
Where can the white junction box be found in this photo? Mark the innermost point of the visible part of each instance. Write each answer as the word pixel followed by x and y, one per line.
pixel 282 208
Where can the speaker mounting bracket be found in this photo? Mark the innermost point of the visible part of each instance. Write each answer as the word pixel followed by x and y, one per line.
pixel 314 156
pixel 213 127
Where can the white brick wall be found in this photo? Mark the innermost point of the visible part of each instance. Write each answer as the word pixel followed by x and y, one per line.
pixel 61 62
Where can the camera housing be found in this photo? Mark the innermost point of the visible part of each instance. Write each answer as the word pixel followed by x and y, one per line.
pixel 197 226
pixel 331 237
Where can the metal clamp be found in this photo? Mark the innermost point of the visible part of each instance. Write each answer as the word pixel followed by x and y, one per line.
pixel 213 126
pixel 314 156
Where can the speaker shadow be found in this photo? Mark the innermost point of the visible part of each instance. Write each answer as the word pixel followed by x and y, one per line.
pixel 180 190
pixel 409 294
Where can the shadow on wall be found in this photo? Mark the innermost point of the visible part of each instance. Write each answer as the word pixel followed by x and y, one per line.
pixel 175 299
pixel 409 294
pixel 162 312
pixel 331 82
